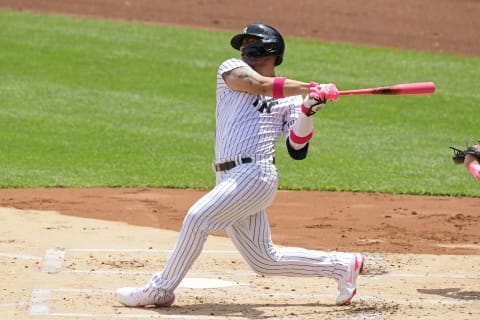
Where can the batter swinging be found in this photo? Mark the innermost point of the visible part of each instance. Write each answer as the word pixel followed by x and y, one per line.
pixel 254 107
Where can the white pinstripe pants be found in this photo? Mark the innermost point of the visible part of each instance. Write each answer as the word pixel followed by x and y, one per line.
pixel 237 204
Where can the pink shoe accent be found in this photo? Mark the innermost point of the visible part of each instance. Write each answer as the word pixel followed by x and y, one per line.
pixel 350 276
pixel 348 287
pixel 350 300
pixel 361 264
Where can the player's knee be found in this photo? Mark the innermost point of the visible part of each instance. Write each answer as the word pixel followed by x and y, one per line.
pixel 195 221
pixel 263 270
pixel 262 263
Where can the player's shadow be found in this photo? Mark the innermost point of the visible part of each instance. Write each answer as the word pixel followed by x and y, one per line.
pixel 248 310
pixel 453 293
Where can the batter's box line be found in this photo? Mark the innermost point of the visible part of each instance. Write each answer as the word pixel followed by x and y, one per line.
pixel 54 258
pixel 143 273
pixel 15 255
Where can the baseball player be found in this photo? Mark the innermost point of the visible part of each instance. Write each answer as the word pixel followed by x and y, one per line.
pixel 254 108
pixel 470 158
pixel 472 164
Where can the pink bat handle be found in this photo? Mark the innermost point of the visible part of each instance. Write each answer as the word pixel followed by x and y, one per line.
pixel 397 89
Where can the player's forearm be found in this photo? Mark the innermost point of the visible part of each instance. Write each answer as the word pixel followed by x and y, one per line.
pixel 277 87
pixel 289 87
pixel 301 132
pixel 247 80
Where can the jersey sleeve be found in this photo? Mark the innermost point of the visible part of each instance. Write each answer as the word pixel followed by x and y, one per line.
pixel 231 64
pixel 228 65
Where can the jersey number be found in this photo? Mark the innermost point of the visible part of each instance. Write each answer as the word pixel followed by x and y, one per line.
pixel 265 105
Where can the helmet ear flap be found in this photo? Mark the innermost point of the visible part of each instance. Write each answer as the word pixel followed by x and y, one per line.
pixel 274 45
pixel 279 60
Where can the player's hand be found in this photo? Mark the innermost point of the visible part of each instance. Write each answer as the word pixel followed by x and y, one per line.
pixel 327 91
pixel 317 96
pixel 312 104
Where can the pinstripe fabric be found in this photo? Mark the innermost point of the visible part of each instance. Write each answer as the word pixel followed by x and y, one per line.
pixel 247 125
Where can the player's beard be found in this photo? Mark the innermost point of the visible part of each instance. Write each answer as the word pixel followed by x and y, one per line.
pixel 253 62
pixel 249 60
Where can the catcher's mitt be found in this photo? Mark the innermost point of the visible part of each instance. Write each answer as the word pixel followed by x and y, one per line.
pixel 459 155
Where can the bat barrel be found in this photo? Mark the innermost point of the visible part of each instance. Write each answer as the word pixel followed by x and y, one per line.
pixel 414 88
pixel 397 89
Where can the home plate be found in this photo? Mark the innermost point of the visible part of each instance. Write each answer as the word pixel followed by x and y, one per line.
pixel 205 283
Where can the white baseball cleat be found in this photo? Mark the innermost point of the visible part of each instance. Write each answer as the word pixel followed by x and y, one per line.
pixel 145 296
pixel 347 285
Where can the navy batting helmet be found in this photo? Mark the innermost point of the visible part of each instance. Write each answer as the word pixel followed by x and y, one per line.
pixel 270 42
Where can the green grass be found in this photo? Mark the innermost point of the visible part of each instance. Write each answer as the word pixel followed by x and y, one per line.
pixel 103 103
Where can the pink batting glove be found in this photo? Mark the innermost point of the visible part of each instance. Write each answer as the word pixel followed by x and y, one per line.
pixel 314 100
pixel 323 91
pixel 330 91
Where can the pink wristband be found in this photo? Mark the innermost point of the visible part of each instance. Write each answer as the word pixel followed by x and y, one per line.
pixel 300 140
pixel 277 89
pixel 474 169
pixel 305 110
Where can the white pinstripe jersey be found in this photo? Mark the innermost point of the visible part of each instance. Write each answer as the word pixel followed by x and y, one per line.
pixel 247 124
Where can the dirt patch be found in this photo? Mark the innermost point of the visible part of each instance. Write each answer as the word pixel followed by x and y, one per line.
pixel 440 26
pixel 344 221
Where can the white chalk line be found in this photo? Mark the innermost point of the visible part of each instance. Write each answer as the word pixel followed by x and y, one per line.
pixel 142 273
pixel 19 256
pixel 149 251
pixel 251 273
pixel 54 259
pixel 13 304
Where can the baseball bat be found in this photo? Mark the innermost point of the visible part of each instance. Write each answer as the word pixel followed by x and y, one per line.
pixel 396 89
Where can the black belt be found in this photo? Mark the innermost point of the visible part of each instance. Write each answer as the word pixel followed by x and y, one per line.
pixel 224 166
